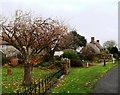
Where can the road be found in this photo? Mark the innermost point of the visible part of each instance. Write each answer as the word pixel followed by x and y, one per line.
pixel 109 82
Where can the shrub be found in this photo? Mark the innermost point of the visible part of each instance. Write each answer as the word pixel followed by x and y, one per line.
pixel 76 63
pixel 46 58
pixel 5 60
pixel 20 59
pixel 44 64
pixel 70 55
pixel 57 58
pixel 13 62
pixel 81 57
pixel 90 57
pixel 116 56
pixel 57 63
pixel 105 52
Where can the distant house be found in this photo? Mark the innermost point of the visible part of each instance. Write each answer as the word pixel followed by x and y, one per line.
pixel 93 47
pixel 58 53
pixel 9 51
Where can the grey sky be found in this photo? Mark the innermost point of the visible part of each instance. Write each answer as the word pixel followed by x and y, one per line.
pixel 98 18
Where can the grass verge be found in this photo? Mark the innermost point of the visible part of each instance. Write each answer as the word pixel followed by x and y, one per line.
pixel 81 80
pixel 12 83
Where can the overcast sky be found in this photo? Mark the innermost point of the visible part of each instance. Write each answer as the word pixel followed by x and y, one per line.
pixel 97 18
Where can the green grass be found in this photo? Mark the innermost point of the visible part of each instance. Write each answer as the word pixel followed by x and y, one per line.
pixel 0 81
pixel 12 83
pixel 81 80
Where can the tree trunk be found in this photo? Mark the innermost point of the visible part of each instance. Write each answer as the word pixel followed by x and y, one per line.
pixel 27 74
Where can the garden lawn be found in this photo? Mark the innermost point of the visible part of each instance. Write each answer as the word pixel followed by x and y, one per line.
pixel 81 80
pixel 12 83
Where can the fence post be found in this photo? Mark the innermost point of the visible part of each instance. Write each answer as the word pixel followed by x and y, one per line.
pixel 25 90
pixel 35 87
pixel 49 82
pixel 45 84
pixel 65 62
pixel 17 92
pixel 42 86
pixel 104 62
pixel 30 90
pixel 39 87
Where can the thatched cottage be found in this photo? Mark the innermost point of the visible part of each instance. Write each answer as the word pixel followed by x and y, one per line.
pixel 93 47
pixel 9 52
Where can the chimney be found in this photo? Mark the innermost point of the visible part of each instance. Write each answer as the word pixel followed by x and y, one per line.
pixel 98 41
pixel 92 40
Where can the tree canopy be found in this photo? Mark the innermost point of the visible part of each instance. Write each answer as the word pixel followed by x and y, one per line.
pixel 109 44
pixel 31 35
pixel 113 50
pixel 73 40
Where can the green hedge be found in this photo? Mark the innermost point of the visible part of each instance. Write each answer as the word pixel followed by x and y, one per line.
pixel 70 55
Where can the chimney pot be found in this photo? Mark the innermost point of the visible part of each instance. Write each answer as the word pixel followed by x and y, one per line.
pixel 92 39
pixel 98 41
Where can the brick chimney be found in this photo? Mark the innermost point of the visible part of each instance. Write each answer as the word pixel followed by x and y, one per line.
pixel 92 40
pixel 98 41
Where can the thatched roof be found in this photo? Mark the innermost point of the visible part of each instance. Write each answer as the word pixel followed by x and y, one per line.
pixel 98 45
pixel 90 48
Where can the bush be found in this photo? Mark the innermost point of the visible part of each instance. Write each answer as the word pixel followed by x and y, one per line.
pixel 81 57
pixel 44 64
pixel 20 59
pixel 116 56
pixel 76 63
pixel 90 57
pixel 57 58
pixel 5 60
pixel 57 63
pixel 70 55
pixel 13 62
pixel 46 58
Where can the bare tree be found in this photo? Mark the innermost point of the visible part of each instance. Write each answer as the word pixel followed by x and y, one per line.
pixel 109 44
pixel 30 36
pixel 59 33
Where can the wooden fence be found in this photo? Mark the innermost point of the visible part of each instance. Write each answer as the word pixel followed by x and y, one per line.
pixel 44 85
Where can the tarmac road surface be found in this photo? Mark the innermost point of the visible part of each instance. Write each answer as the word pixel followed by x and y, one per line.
pixel 108 83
